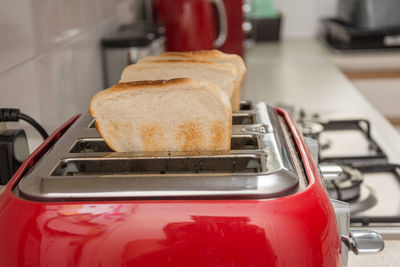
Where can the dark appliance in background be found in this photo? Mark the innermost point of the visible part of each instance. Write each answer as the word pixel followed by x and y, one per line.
pixel 363 25
pixel 202 24
pixel 127 45
pixel 13 142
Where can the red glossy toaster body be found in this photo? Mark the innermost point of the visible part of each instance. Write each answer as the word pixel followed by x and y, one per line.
pixel 298 228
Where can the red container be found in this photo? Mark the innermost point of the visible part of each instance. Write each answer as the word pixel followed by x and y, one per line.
pixel 193 24
pixel 235 34
pixel 295 230
pixel 189 24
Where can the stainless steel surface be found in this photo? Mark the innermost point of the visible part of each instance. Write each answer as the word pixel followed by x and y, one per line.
pixel 386 188
pixel 342 211
pixel 365 201
pixel 370 14
pixel 342 182
pixel 313 146
pixel 358 241
pixel 331 172
pixel 262 163
pixel 311 128
pixel 223 23
pixel 363 241
pixel 391 232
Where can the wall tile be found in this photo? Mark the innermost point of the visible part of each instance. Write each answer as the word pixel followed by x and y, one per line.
pixel 50 79
pixel 91 11
pixel 17 42
pixel 46 23
pixel 72 21
pixel 69 75
pixel 18 89
pixel 301 18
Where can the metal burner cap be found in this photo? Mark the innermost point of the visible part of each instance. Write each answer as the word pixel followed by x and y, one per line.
pixel 310 127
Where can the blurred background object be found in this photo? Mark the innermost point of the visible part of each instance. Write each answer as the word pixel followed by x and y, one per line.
pixel 364 37
pixel 202 24
pixel 369 14
pixel 127 45
pixel 263 20
pixel 364 24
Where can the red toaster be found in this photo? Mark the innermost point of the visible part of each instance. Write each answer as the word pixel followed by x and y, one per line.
pixel 74 202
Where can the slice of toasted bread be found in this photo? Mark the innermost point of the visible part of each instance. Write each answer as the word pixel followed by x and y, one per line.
pixel 221 74
pixel 215 56
pixel 173 115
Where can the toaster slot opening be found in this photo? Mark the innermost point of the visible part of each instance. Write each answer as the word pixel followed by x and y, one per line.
pixel 97 145
pixel 245 106
pixel 245 142
pixel 239 119
pixel 180 165
pixel 91 124
pixel 90 146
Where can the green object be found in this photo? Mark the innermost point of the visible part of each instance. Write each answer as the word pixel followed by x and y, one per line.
pixel 262 9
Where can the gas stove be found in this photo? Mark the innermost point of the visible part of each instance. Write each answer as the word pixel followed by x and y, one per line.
pixel 355 168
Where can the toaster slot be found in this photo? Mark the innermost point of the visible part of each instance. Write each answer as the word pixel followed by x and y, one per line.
pixel 245 142
pixel 94 145
pixel 239 119
pixel 245 105
pixel 97 145
pixel 163 165
pixel 260 164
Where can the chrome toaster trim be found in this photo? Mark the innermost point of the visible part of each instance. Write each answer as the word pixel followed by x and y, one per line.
pixel 259 165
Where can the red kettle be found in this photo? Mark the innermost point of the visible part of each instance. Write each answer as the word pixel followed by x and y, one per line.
pixel 202 24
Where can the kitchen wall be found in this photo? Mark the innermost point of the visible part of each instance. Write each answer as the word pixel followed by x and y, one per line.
pixel 50 62
pixel 301 18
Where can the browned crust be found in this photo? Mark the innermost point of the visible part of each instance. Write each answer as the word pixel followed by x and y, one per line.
pixel 175 54
pixel 191 56
pixel 122 86
pixel 203 53
pixel 206 54
pixel 185 61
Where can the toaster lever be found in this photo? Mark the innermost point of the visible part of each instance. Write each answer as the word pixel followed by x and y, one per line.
pixel 363 241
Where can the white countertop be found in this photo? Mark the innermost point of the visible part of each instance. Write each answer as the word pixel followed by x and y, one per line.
pixel 301 72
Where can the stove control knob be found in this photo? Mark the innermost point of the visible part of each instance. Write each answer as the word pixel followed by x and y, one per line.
pixel 363 241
